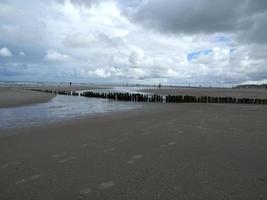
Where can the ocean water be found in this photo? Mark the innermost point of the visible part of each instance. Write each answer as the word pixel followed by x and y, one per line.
pixel 58 109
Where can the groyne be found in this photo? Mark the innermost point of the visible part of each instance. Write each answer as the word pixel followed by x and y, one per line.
pixel 138 97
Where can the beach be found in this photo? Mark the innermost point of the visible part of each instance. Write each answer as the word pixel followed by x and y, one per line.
pixel 133 100
pixel 162 151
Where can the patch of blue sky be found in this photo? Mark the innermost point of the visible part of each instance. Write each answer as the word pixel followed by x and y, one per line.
pixel 196 54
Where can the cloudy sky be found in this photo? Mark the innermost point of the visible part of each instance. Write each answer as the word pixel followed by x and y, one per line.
pixel 178 42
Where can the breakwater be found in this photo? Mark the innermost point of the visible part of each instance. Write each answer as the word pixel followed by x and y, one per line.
pixel 137 97
pixel 59 92
pixel 125 96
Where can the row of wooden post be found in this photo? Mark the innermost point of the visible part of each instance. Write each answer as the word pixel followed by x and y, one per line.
pixel 125 96
pixel 173 98
pixel 209 99
pixel 136 97
pixel 60 92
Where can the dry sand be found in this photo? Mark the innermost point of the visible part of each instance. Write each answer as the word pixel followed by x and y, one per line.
pixel 13 97
pixel 165 151
pixel 216 92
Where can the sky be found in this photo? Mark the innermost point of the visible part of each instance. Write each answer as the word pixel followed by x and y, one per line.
pixel 172 42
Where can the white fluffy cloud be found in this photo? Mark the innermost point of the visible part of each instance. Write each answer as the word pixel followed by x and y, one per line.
pixel 4 51
pixel 55 56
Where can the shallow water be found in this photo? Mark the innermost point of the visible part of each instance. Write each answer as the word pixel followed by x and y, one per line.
pixel 59 108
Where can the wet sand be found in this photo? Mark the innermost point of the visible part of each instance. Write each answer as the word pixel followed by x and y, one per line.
pixel 164 151
pixel 14 97
pixel 215 92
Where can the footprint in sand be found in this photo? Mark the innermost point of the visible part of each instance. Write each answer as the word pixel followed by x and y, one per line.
pixel 32 178
pixel 3 166
pixel 68 159
pixel 147 133
pixel 179 132
pixel 113 140
pixel 58 155
pixel 85 192
pixel 201 127
pixel 148 128
pixel 133 158
pixel 84 145
pixel 123 139
pixel 166 145
pixel 21 181
pixel 136 157
pixel 109 150
pixel 130 161
pixel 118 140
pixel 106 185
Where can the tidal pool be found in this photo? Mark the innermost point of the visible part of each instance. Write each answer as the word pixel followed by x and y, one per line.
pixel 58 109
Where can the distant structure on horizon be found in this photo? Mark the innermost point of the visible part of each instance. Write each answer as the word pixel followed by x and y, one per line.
pixel 251 86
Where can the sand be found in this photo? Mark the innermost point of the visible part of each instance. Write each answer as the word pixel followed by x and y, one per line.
pixel 164 151
pixel 216 92
pixel 22 95
pixel 14 97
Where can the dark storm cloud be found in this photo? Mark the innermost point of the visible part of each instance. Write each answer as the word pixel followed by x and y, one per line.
pixel 189 16
pixel 254 28
pixel 257 5
pixel 247 18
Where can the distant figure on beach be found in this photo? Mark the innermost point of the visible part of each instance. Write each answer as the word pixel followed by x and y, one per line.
pixel 159 86
pixel 70 84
